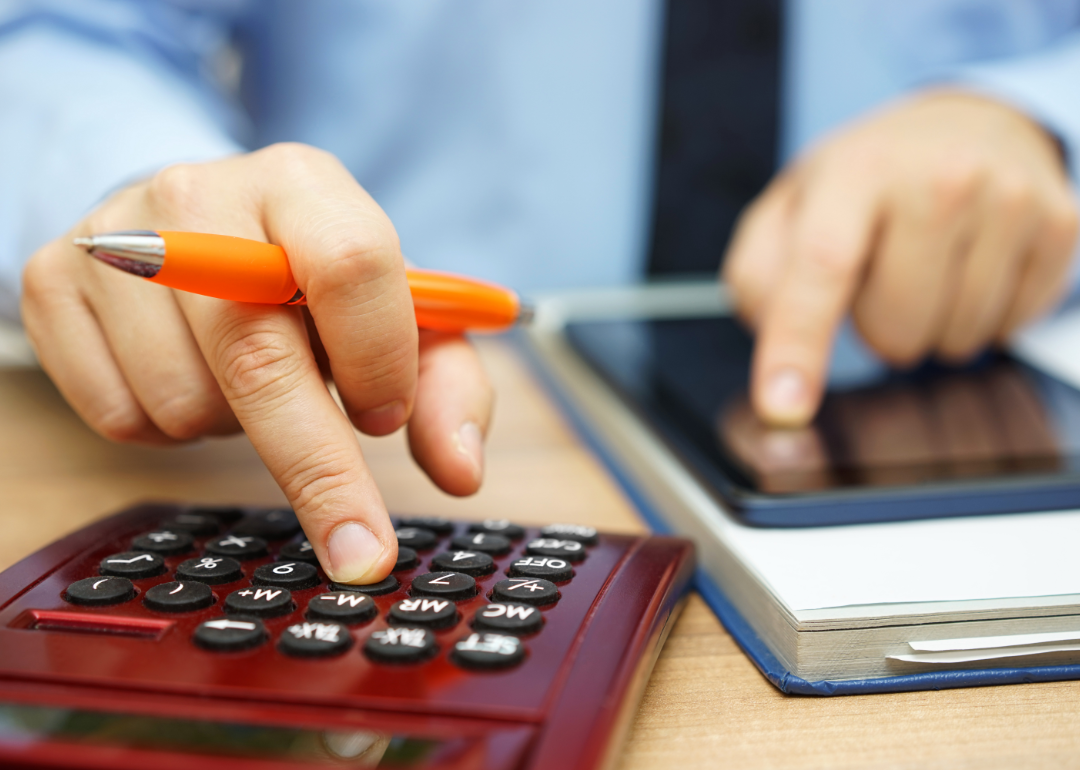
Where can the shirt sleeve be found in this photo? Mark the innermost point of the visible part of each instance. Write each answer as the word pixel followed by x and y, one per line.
pixel 1045 85
pixel 94 94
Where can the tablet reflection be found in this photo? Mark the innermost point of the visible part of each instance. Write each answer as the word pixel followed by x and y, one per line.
pixel 948 425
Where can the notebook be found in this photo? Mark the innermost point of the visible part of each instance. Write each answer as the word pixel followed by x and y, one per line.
pixel 845 609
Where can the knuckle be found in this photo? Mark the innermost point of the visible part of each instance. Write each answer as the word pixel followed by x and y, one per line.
pixel 317 483
pixel 1063 220
pixel 184 414
pixel 384 375
pixel 297 158
pixel 901 351
pixel 358 256
pixel 830 255
pixel 118 420
pixel 255 364
pixel 176 188
pixel 1015 196
pixel 952 186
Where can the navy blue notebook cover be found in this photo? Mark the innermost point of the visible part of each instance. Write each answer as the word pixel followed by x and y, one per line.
pixel 745 636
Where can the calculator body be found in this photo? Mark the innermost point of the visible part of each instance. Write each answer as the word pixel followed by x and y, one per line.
pixel 124 686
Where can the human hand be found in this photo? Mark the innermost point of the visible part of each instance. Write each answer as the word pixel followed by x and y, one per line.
pixel 942 224
pixel 142 363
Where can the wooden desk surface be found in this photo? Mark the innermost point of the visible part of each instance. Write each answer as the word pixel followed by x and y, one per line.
pixel 706 705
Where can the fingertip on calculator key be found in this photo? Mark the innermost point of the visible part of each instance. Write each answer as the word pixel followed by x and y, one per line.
pixel 387 585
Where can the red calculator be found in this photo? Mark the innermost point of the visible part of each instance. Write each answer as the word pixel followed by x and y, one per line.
pixel 170 636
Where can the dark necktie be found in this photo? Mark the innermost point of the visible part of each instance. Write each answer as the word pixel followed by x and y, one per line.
pixel 720 106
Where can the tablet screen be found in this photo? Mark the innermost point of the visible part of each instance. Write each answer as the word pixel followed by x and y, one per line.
pixel 876 428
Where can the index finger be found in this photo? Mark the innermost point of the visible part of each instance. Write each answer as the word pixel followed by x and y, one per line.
pixel 831 238
pixel 266 369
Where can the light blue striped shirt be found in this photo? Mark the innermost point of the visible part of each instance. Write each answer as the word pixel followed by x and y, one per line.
pixel 510 140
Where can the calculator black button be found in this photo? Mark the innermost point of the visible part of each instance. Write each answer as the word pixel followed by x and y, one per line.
pixel 436 524
pixel 487 651
pixel 301 551
pixel 223 513
pixel 315 639
pixel 347 607
pixel 386 586
pixel 294 575
pixel 198 524
pixel 98 591
pixel 423 611
pixel 508 618
pixel 277 524
pixel 212 570
pixel 237 546
pixel 179 596
pixel 401 645
pixel 571 550
pixel 444 585
pixel 416 538
pixel 261 602
pixel 406 559
pixel 526 590
pixel 467 562
pixel 498 527
pixel 132 564
pixel 586 535
pixel 164 542
pixel 548 567
pixel 230 634
pixel 496 545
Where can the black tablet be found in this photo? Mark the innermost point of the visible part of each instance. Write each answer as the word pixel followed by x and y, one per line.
pixel 994 437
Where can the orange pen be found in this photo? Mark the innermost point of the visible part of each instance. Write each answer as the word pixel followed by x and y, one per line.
pixel 242 270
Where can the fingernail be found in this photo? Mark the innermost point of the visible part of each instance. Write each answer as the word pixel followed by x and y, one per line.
pixel 787 397
pixel 470 442
pixel 382 419
pixel 353 550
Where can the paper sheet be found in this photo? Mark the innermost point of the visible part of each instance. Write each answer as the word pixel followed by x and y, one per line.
pixel 969 558
pixel 962 656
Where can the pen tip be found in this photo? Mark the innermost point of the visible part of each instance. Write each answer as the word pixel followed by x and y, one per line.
pixel 86 243
pixel 526 314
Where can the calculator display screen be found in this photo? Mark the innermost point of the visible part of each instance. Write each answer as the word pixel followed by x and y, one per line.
pixel 25 726
pixel 876 428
